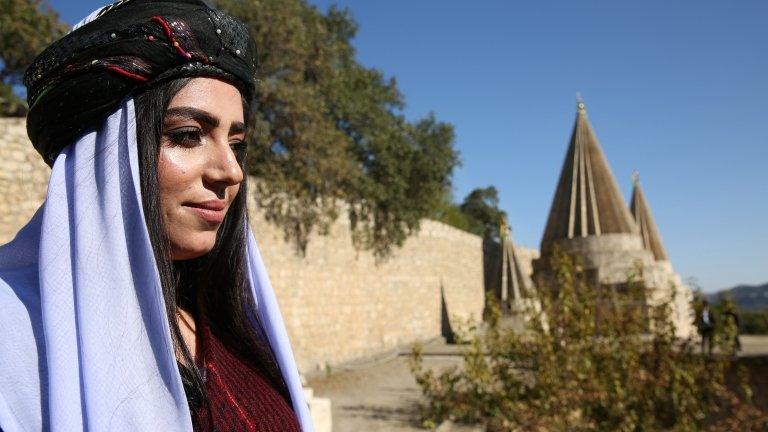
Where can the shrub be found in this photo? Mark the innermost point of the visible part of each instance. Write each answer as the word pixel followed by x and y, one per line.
pixel 753 322
pixel 591 359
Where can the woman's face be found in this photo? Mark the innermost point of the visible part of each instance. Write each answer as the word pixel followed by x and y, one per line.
pixel 199 173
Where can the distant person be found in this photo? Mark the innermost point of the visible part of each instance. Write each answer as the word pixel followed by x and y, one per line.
pixel 706 322
pixel 732 316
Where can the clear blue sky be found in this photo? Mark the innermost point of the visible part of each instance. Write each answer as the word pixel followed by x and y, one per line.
pixel 675 89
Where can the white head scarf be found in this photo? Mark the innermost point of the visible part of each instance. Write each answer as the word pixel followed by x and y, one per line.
pixel 87 344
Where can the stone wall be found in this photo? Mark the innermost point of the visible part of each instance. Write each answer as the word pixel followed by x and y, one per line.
pixel 339 304
pixel 23 177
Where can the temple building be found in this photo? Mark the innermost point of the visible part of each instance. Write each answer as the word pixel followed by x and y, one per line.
pixel 590 219
pixel 515 287
pixel 662 268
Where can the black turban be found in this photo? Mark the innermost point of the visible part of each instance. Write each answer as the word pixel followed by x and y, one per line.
pixel 78 80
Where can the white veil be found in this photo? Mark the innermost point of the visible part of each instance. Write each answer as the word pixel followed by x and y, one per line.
pixel 87 344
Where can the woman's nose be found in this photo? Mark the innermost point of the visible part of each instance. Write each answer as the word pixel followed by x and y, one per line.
pixel 223 164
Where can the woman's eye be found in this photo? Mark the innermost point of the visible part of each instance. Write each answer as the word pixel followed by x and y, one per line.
pixel 184 137
pixel 239 148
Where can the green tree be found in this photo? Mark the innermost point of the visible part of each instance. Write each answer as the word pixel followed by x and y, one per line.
pixel 26 27
pixel 330 135
pixel 754 322
pixel 482 207
pixel 479 213
pixel 591 360
pixel 450 213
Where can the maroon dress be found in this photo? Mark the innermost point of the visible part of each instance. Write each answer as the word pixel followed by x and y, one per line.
pixel 242 398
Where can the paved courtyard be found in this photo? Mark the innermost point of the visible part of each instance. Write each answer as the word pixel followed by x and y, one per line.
pixel 383 396
pixel 754 346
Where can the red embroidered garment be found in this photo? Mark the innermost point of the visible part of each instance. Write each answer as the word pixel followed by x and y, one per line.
pixel 242 398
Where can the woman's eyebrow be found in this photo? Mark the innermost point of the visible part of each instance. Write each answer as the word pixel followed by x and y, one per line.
pixel 236 128
pixel 198 115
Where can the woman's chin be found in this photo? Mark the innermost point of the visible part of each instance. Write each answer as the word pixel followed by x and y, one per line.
pixel 193 246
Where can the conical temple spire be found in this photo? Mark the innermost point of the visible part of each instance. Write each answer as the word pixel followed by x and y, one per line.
pixel 516 284
pixel 587 199
pixel 642 213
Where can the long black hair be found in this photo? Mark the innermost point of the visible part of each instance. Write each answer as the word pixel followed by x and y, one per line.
pixel 216 282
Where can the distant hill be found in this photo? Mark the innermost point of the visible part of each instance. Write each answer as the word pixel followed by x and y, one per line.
pixel 746 297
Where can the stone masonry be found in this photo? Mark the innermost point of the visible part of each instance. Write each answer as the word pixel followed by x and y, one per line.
pixel 23 177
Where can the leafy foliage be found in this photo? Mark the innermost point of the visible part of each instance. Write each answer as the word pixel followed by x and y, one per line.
pixel 26 27
pixel 753 322
pixel 593 358
pixel 450 213
pixel 749 321
pixel 482 206
pixel 479 213
pixel 330 136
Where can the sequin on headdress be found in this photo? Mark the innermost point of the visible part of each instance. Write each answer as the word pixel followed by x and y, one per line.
pixel 133 44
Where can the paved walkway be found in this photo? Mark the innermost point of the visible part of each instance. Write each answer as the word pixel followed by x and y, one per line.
pixel 753 346
pixel 384 396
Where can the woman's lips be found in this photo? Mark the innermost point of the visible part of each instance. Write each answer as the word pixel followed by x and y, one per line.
pixel 209 211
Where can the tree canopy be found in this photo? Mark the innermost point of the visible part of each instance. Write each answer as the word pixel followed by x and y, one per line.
pixel 482 207
pixel 330 136
pixel 26 28
pixel 479 213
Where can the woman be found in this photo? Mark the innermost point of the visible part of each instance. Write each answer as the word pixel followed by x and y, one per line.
pixel 136 299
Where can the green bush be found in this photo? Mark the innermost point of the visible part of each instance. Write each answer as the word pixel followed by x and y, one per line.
pixel 753 322
pixel 593 358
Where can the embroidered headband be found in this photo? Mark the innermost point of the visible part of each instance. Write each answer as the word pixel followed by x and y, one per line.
pixel 132 44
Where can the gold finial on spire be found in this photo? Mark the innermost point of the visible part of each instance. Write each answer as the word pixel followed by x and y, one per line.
pixel 580 101
pixel 635 178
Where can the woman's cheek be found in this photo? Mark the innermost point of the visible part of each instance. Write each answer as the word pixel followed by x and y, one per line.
pixel 233 191
pixel 171 176
pixel 174 169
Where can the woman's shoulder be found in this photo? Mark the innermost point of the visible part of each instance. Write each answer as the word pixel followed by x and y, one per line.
pixel 21 350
